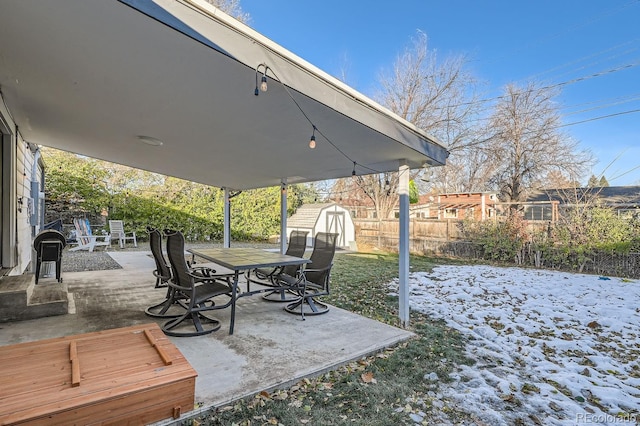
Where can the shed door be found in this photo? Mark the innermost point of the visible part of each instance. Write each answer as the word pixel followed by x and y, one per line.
pixel 335 224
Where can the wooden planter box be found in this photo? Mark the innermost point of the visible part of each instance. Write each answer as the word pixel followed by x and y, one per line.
pixel 131 375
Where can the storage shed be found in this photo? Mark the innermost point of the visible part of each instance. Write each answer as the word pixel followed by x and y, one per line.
pixel 327 217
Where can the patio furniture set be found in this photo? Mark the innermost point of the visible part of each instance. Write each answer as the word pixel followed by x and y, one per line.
pixel 193 290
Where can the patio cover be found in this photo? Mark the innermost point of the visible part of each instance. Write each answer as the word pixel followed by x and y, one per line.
pixel 96 77
pixel 92 76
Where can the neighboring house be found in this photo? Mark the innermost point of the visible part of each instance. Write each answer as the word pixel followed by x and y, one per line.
pixel 547 204
pixel 465 205
pixel 479 205
pixel 359 207
pixel 425 208
pixel 541 205
pixel 327 217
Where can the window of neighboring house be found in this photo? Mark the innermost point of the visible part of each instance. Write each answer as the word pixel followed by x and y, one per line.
pixel 450 213
pixel 627 213
pixel 530 212
pixel 537 213
pixel 491 213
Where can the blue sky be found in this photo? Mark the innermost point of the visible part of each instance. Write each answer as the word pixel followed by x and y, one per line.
pixel 563 42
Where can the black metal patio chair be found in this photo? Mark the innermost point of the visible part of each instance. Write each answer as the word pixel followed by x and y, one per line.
pixel 162 271
pixel 172 306
pixel 196 288
pixel 269 277
pixel 313 280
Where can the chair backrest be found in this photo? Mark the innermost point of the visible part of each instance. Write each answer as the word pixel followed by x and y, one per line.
pixel 297 243
pixel 116 227
pixel 155 242
pixel 297 246
pixel 180 270
pixel 83 230
pixel 56 225
pixel 48 235
pixel 324 248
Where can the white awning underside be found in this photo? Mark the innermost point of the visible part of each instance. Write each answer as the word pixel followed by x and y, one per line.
pixel 90 76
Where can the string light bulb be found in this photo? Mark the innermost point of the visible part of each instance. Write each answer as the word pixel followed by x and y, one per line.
pixel 263 82
pixel 263 86
pixel 312 141
pixel 353 173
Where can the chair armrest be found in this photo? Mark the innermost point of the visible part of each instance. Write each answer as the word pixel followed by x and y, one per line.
pixel 289 280
pixel 204 274
pixel 94 237
pixel 217 269
pixel 199 272
pixel 317 270
pixel 264 273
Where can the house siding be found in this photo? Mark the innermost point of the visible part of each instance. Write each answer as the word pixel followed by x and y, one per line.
pixel 18 160
pixel 24 164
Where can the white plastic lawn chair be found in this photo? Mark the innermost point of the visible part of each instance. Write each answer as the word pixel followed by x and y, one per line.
pixel 116 228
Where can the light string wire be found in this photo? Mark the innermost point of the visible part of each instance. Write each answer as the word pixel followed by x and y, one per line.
pixel 315 128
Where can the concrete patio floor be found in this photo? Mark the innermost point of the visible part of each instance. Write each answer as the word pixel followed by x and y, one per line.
pixel 270 348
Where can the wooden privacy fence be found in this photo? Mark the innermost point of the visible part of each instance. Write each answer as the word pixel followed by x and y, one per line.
pixel 424 246
pixel 441 238
pixel 433 229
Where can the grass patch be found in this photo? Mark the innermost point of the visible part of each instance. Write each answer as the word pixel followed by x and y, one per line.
pixel 379 390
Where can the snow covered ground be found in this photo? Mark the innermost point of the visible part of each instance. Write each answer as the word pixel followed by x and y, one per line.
pixel 551 348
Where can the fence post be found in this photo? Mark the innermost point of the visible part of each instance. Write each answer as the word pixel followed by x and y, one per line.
pixel 448 237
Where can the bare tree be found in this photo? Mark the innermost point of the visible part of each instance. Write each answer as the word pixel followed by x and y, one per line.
pixel 358 190
pixel 437 97
pixel 231 7
pixel 440 98
pixel 527 142
pixel 557 180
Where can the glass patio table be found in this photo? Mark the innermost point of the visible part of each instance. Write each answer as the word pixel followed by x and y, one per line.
pixel 246 259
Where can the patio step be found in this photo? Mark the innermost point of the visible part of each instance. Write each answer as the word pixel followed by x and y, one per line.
pixel 21 299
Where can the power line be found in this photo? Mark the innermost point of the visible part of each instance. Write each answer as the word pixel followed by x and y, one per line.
pixel 589 21
pixel 541 73
pixel 607 105
pixel 550 86
pixel 599 118
pixel 599 104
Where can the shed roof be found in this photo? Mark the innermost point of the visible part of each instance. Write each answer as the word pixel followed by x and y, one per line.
pixel 307 215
